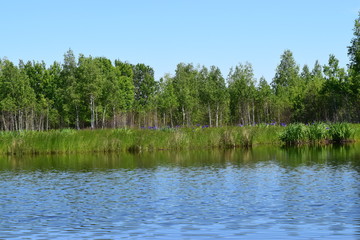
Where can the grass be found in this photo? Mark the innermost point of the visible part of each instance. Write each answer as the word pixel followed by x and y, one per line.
pixel 299 133
pixel 139 140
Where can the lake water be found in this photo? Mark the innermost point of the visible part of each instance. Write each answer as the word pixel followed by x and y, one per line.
pixel 262 193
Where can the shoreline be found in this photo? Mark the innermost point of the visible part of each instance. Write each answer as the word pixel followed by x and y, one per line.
pixel 69 141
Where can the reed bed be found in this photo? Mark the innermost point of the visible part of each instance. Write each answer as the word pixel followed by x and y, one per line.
pixel 318 133
pixel 155 139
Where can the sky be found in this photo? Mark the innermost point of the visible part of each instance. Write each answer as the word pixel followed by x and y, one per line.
pixel 164 33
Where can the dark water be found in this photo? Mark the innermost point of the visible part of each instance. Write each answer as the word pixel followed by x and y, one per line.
pixel 263 193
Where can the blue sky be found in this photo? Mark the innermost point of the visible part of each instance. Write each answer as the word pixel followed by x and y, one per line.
pixel 164 33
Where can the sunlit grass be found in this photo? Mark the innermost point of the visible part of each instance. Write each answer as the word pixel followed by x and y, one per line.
pixel 299 133
pixel 200 137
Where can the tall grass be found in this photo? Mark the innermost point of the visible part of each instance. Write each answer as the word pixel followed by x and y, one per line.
pixel 294 134
pixel 133 140
pixel 340 132
pixel 139 140
pixel 299 133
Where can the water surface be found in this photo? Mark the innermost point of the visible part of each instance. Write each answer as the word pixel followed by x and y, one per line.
pixel 262 193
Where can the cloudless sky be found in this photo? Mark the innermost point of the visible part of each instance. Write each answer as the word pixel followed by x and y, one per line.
pixel 163 33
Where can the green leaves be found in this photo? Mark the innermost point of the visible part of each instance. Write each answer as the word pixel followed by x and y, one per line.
pixel 340 132
pixel 287 73
pixel 242 89
pixel 299 133
pixel 354 48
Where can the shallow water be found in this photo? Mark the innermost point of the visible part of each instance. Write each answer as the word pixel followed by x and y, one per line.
pixel 263 193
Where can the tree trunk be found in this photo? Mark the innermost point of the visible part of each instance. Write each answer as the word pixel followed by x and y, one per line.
pixel 240 115
pixel 26 120
pixel 47 119
pixel 253 112
pixel 96 116
pixel 266 112
pixel 184 115
pixel 209 111
pixel 156 122
pixel 103 118
pixel 248 113
pixel 40 122
pixel 164 119
pixel 188 119
pixel 217 115
pixel 77 117
pixel 114 118
pixel 171 119
pixel 92 120
pixel 20 120
pixel 14 121
pixel 32 120
pixel 144 120
pixel 221 118
pixel 4 122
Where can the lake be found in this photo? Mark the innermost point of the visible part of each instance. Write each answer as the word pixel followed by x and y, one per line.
pixel 262 193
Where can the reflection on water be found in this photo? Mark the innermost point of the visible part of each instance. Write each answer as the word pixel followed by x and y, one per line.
pixel 285 157
pixel 261 193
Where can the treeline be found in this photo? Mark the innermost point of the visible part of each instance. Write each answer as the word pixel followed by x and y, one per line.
pixel 94 92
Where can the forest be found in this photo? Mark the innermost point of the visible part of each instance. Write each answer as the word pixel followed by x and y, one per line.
pixel 94 92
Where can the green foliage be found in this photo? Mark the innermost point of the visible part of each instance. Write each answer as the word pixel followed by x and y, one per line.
pixel 133 140
pixel 318 132
pixel 339 132
pixel 295 133
pixel 287 73
pixel 354 48
pixel 242 89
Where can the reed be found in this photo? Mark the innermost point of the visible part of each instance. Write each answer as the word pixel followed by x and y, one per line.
pixel 140 140
pixel 294 134
pixel 341 132
pixel 316 133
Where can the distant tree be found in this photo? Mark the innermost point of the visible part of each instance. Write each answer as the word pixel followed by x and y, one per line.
pixel 122 91
pixel 107 76
pixel 17 98
pixel 354 48
pixel 167 100
pixel 287 73
pixel 286 85
pixel 55 90
pixel 213 93
pixel 69 93
pixel 336 91
pixel 312 102
pixel 186 86
pixel 354 67
pixel 43 86
pixel 241 84
pixel 91 82
pixel 145 87
pixel 264 101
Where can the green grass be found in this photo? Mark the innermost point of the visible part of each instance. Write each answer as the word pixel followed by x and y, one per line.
pixel 340 132
pixel 138 140
pixel 299 133
pixel 294 134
